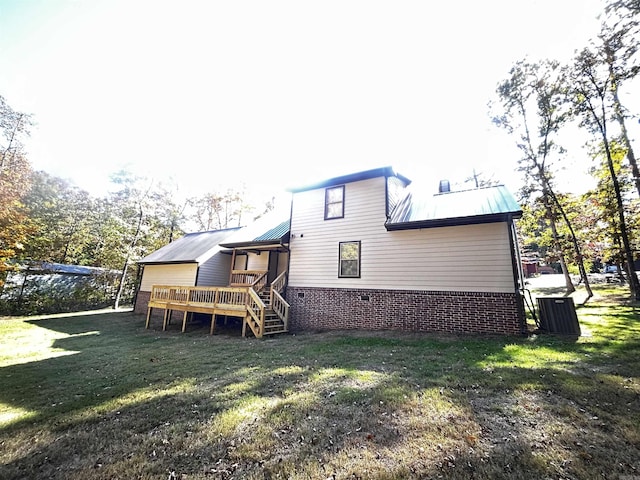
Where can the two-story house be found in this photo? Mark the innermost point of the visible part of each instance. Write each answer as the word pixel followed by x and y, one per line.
pixel 366 251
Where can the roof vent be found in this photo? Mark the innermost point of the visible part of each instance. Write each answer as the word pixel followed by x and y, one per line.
pixel 444 186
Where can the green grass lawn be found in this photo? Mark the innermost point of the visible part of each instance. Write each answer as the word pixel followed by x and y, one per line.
pixel 98 396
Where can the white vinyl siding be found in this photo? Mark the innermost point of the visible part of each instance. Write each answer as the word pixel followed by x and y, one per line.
pixel 258 262
pixel 462 258
pixel 283 261
pixel 181 274
pixel 215 271
pixel 241 262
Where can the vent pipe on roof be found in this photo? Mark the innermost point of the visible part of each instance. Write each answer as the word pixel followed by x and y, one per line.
pixel 444 186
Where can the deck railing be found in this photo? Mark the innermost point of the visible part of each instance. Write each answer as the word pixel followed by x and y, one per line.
pixel 166 293
pixel 280 307
pixel 204 296
pixel 279 283
pixel 241 298
pixel 255 310
pixel 248 278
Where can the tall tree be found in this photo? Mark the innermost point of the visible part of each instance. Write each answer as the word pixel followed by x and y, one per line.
pixel 14 179
pixel 132 207
pixel 534 108
pixel 591 84
pixel 619 43
pixel 167 214
pixel 606 228
pixel 214 211
pixel 61 214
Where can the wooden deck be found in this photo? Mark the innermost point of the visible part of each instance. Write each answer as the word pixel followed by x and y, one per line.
pixel 210 300
pixel 239 301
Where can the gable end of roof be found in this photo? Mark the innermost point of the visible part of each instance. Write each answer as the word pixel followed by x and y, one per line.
pixel 353 177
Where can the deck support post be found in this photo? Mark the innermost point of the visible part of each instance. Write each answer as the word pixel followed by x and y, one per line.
pixel 146 325
pixel 184 321
pixel 233 266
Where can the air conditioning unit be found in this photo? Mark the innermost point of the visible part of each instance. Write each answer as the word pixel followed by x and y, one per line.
pixel 558 315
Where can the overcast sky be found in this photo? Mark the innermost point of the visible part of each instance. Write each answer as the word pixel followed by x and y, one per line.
pixel 272 94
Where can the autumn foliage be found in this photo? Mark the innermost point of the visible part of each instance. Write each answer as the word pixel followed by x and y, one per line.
pixel 15 174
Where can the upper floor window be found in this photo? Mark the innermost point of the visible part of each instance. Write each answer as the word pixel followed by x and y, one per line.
pixel 334 202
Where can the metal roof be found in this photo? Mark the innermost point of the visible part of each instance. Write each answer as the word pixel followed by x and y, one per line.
pixel 353 177
pixel 262 233
pixel 51 267
pixel 481 205
pixel 192 248
pixel 275 234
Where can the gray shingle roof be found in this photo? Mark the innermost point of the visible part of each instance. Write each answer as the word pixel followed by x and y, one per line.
pixel 192 248
pixel 482 205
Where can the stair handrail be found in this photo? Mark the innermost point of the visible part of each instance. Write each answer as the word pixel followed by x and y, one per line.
pixel 279 282
pixel 255 309
pixel 260 282
pixel 280 307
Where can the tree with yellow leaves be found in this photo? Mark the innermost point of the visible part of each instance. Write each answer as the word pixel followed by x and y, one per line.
pixel 14 179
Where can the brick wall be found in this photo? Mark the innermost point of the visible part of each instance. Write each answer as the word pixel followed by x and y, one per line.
pixel 142 300
pixel 452 312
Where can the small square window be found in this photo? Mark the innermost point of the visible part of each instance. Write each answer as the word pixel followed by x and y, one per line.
pixel 334 202
pixel 349 262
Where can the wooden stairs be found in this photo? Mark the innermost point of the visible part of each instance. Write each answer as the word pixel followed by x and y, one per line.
pixel 273 324
pixel 263 308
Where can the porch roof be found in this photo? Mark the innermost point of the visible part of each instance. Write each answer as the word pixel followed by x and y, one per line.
pixel 481 205
pixel 262 235
pixel 192 248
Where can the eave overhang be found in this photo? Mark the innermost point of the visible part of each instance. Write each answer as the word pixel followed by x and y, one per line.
pixel 170 262
pixel 353 177
pixel 454 221
pixel 256 246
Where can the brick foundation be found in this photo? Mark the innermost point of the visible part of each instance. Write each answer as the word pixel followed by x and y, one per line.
pixel 408 310
pixel 142 301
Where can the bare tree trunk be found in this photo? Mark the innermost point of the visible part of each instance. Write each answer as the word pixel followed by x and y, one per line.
pixel 576 246
pixel 599 121
pixel 123 276
pixel 634 285
pixel 619 115
pixel 127 259
pixel 556 241
pixel 18 304
pixel 4 156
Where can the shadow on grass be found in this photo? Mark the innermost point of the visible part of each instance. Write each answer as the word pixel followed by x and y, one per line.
pixel 378 405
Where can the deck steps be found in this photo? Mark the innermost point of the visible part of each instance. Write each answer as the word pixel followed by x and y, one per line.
pixel 254 306
pixel 272 322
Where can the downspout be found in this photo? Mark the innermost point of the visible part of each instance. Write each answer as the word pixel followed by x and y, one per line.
pixel 518 279
pixel 139 274
pixel 233 264
pixel 386 199
pixel 289 247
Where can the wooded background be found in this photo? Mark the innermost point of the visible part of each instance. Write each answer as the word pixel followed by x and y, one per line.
pixel 540 104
